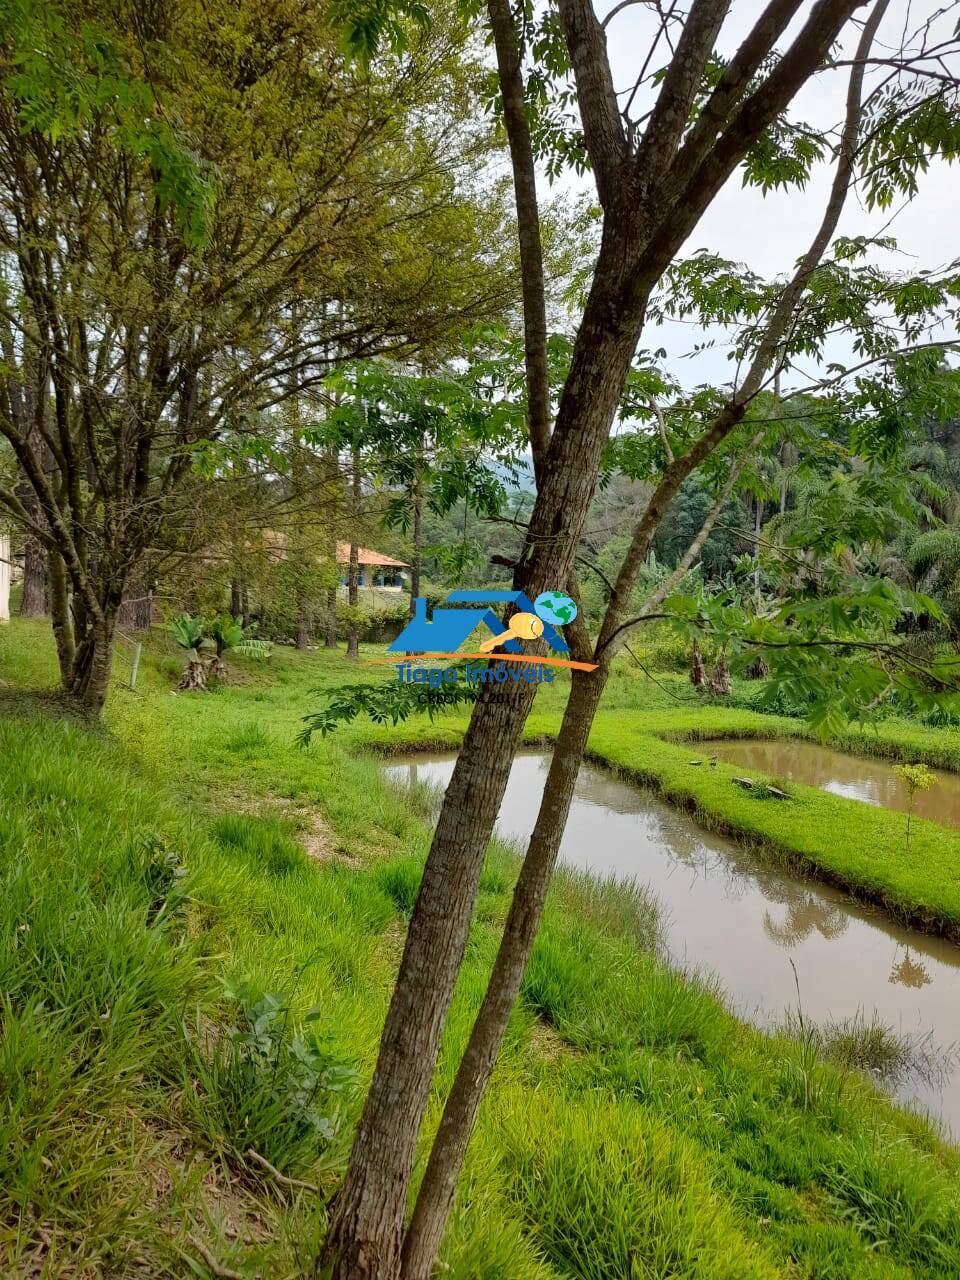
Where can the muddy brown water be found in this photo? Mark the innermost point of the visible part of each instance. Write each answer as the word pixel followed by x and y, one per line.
pixel 872 781
pixel 728 915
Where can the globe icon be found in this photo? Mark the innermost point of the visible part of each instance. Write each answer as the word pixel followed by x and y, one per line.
pixel 554 607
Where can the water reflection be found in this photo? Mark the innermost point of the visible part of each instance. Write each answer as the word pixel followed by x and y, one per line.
pixel 805 913
pixel 872 781
pixel 729 915
pixel 909 972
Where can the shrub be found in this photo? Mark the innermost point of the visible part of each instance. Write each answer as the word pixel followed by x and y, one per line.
pixel 256 1085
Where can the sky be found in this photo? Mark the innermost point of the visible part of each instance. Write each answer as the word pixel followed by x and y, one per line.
pixel 769 233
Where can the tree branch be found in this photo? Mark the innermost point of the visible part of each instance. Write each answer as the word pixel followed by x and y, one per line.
pixel 671 112
pixel 597 99
pixel 507 44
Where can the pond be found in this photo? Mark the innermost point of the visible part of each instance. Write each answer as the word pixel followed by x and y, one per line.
pixel 872 781
pixel 728 915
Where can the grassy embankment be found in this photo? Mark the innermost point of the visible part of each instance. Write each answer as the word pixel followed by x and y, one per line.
pixel 634 1127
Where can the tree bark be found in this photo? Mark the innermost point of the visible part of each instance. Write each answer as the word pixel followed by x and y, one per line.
pixel 93 663
pixel 6 573
pixel 304 621
pixel 33 602
pixel 417 546
pixel 353 573
pixel 136 610
pixel 330 621
pixel 536 369
pixel 60 615
pixel 194 678
pixel 459 1115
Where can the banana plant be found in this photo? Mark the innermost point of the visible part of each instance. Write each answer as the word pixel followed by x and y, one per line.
pixel 225 633
pixel 189 635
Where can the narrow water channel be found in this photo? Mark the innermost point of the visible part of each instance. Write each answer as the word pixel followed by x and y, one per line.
pixel 727 914
pixel 873 781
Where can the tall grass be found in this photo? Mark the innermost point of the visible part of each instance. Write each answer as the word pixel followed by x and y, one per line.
pixel 154 894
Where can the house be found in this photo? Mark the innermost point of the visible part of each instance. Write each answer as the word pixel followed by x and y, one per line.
pixel 446 631
pixel 376 570
pixel 6 566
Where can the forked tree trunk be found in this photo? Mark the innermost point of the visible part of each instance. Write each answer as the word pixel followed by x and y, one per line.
pixel 364 1238
pixel 459 1115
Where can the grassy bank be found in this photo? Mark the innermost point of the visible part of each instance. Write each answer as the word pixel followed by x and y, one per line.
pixel 845 842
pixel 162 874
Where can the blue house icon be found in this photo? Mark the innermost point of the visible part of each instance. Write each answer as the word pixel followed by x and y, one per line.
pixel 449 628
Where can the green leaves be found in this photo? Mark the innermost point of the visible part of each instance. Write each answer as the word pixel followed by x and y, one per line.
pixel 393 702
pixel 368 26
pixel 841 655
pixel 67 79
pixel 188 633
pixel 906 129
pixel 226 633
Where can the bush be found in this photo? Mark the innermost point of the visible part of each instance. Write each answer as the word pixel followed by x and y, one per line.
pixel 255 1085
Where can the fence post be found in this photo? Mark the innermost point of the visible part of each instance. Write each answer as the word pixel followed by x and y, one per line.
pixel 136 665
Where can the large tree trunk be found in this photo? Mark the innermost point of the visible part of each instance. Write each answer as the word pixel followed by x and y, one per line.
pixel 89 681
pixel 449 1146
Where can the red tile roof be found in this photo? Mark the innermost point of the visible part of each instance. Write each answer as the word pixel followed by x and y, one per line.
pixel 366 556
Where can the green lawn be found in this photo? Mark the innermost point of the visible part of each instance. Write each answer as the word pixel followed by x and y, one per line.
pixel 634 1128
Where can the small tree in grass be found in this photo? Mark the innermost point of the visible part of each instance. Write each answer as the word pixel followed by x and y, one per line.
pixel 915 777
pixel 225 633
pixel 188 633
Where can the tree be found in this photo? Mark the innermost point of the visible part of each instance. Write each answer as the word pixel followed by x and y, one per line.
pixel 915 777
pixel 155 269
pixel 654 180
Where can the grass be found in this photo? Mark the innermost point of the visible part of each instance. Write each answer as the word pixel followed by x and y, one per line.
pixel 156 888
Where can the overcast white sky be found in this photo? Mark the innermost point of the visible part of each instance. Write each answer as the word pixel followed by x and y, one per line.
pixel 769 232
